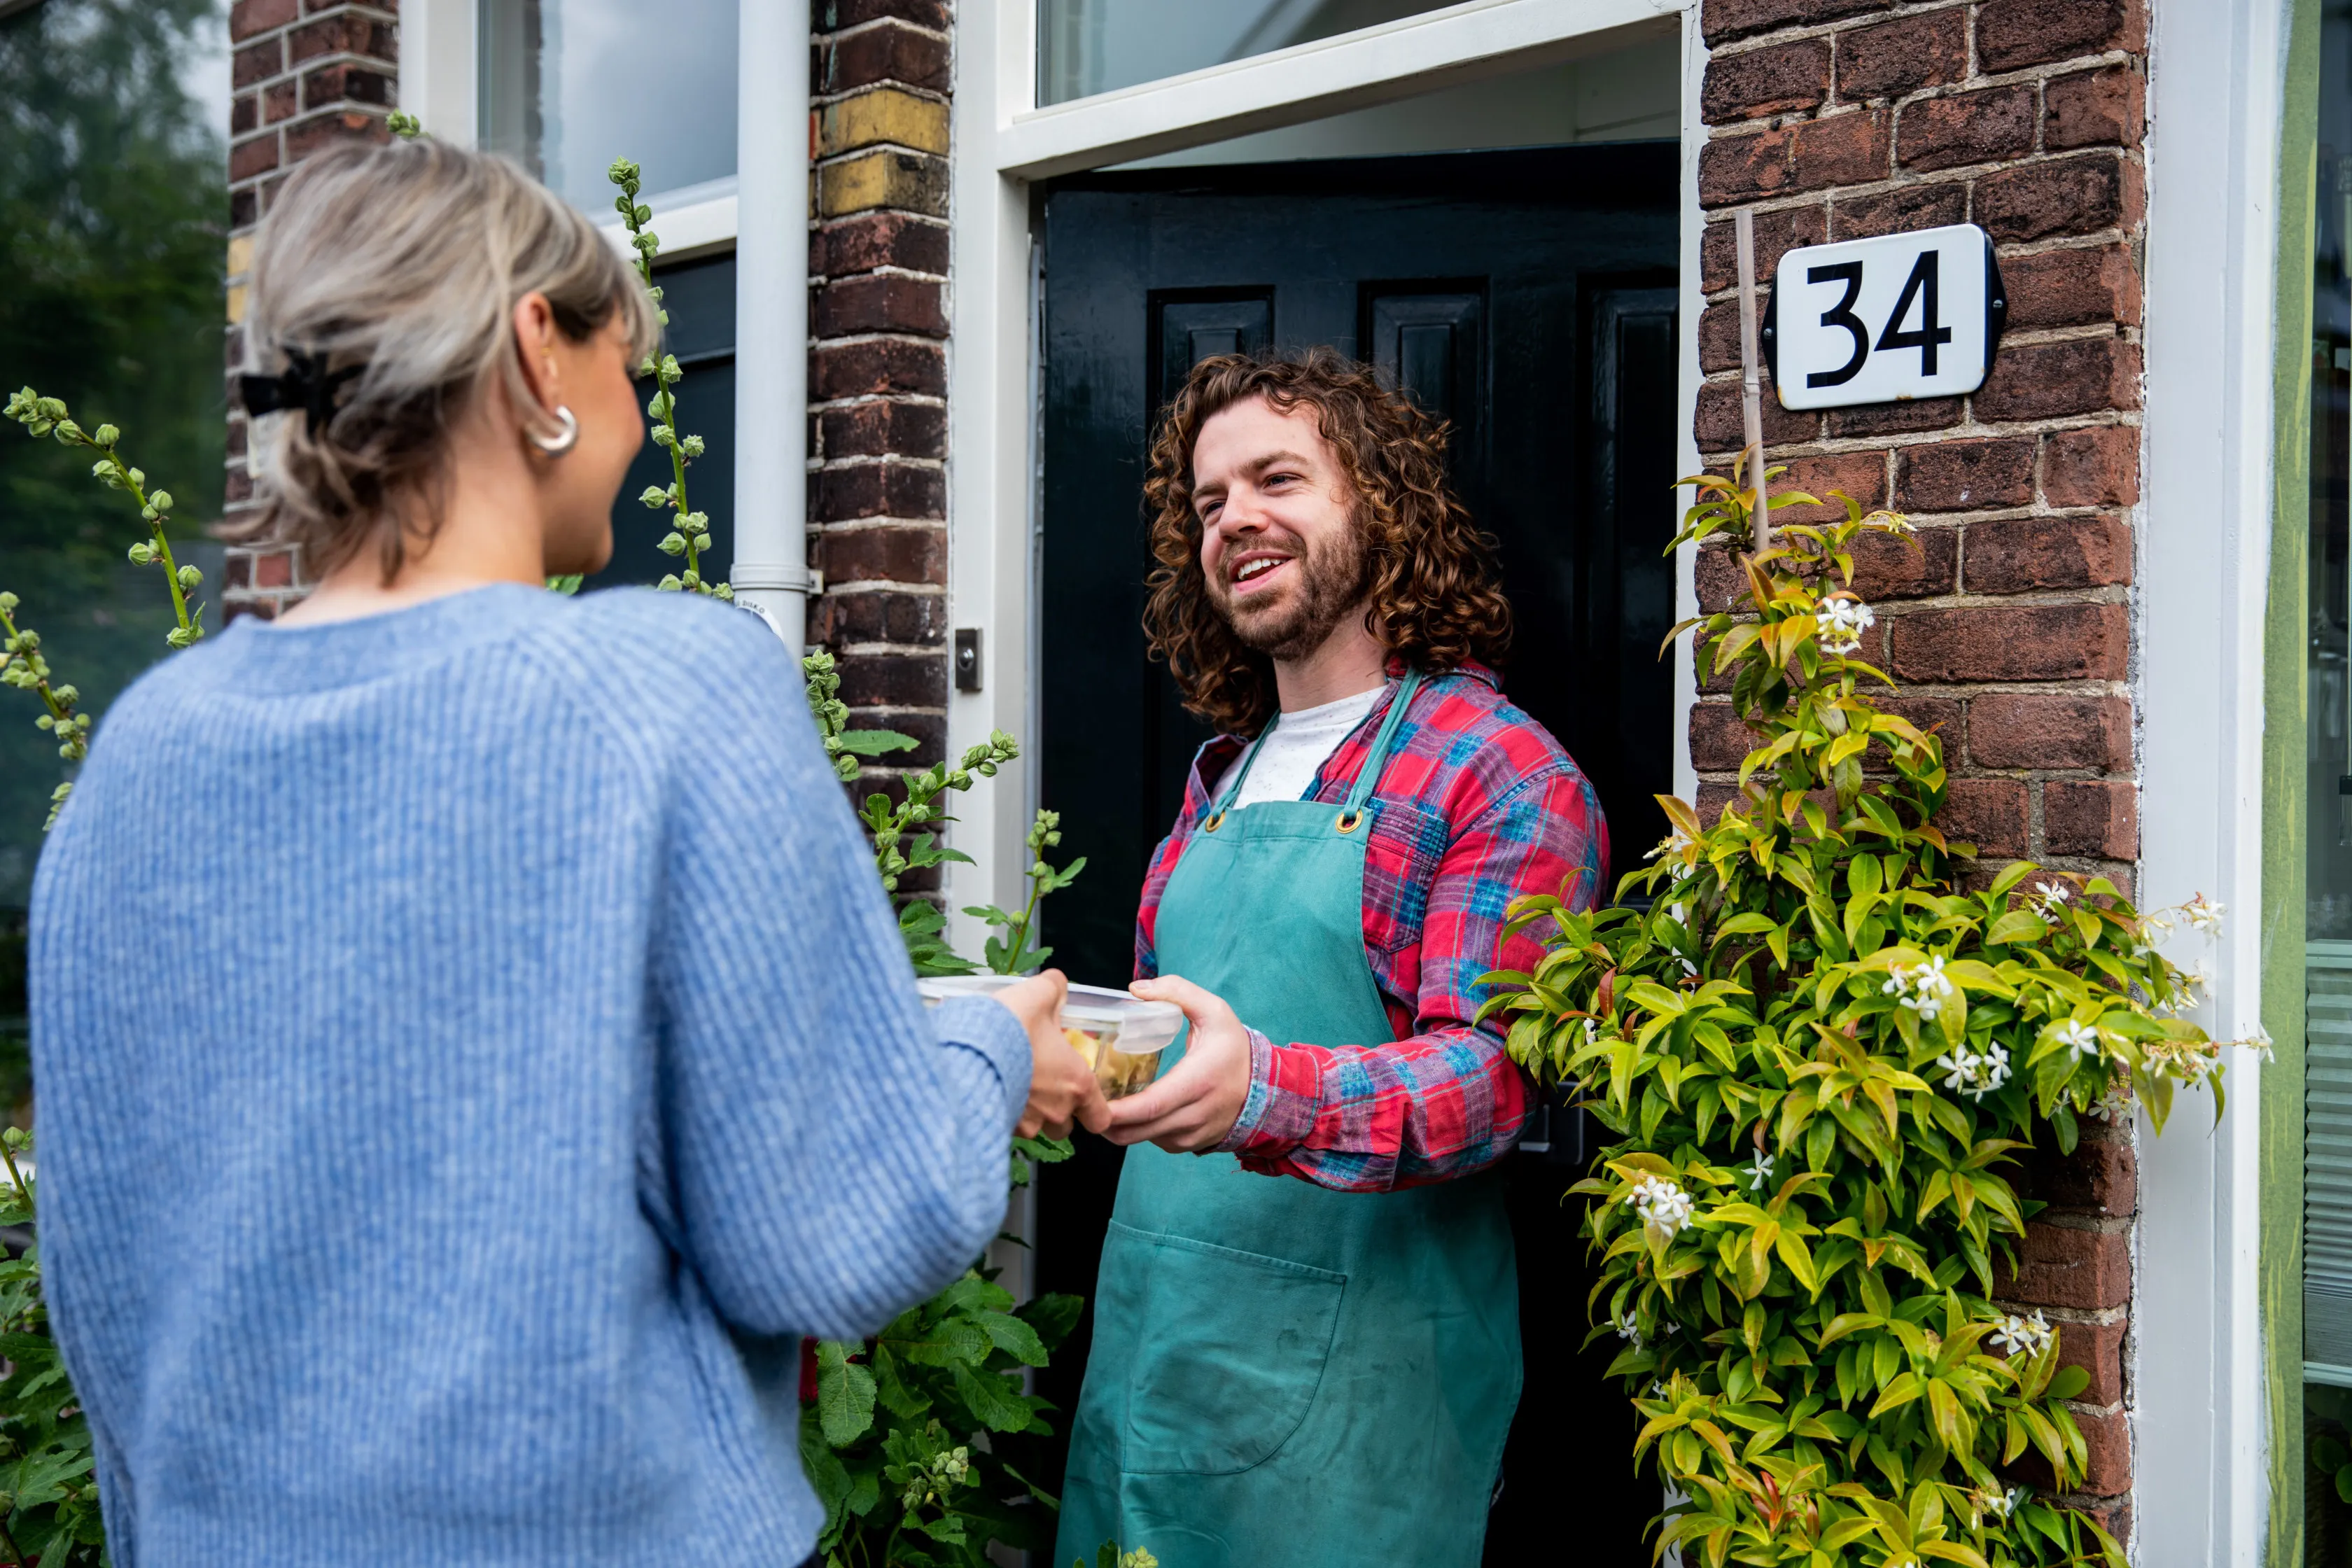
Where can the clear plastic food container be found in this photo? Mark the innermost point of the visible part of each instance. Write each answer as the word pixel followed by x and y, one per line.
pixel 1121 1036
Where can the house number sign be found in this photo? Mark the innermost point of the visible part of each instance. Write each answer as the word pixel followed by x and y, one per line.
pixel 1895 317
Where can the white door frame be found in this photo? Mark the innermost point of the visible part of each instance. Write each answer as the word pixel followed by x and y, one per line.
pixel 2217 77
pixel 1003 143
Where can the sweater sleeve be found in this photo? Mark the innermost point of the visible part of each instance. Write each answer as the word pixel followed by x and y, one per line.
pixel 835 1151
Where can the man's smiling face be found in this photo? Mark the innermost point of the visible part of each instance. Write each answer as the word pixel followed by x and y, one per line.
pixel 1278 539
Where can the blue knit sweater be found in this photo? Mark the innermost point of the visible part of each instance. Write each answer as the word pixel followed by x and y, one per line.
pixel 473 1046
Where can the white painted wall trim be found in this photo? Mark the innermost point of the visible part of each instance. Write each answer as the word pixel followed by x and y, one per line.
pixel 437 66
pixel 2216 86
pixel 1624 856
pixel 1378 65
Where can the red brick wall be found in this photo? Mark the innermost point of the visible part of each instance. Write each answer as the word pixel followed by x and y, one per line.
pixel 2011 627
pixel 877 362
pixel 304 73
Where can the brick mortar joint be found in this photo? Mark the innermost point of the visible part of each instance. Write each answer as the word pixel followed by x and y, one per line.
pixel 868 150
pixel 900 649
pixel 877 24
pixel 886 585
pixel 887 269
pixel 827 225
pixel 848 339
pixel 823 100
pixel 853 524
pixel 2084 1223
pixel 879 399
pixel 875 460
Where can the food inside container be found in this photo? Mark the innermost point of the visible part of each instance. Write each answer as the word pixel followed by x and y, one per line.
pixel 1120 1037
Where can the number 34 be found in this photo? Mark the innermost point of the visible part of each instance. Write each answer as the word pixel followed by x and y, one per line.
pixel 1919 289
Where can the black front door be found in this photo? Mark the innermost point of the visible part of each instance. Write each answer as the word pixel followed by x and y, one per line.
pixel 1527 296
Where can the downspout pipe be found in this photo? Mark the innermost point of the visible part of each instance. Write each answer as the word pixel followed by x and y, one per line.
pixel 771 574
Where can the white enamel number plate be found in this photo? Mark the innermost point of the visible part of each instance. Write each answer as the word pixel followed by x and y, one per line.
pixel 1881 320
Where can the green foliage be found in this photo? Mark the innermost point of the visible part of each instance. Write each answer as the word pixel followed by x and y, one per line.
pixel 21 664
pixel 1818 1058
pixel 113 199
pixel 48 1487
pixel 891 1441
pixel 689 534
pixel 913 1439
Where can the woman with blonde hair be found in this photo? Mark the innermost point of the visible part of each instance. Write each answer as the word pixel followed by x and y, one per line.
pixel 473 1046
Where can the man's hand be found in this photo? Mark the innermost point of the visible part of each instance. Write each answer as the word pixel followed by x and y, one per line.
pixel 1062 1088
pixel 1196 1102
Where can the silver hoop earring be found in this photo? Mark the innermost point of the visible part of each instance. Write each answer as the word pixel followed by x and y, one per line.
pixel 555 445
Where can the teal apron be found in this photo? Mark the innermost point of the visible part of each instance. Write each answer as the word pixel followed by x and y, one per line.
pixel 1286 1376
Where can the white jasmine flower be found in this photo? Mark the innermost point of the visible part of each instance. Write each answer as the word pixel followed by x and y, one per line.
pixel 1992 1071
pixel 2022 1336
pixel 1628 1329
pixel 2260 1040
pixel 2050 899
pixel 2114 1107
pixel 1591 1031
pixel 2203 914
pixel 1973 1074
pixel 1841 622
pixel 1660 1203
pixel 1922 987
pixel 2080 1038
pixel 1759 1170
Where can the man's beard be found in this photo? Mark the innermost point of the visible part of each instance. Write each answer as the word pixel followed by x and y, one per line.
pixel 1332 581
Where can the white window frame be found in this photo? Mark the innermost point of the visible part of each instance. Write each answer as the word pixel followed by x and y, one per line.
pixel 2216 97
pixel 438 63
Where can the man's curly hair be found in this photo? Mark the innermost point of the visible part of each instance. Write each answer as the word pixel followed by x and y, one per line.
pixel 1436 602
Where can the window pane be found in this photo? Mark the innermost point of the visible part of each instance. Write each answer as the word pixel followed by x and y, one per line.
pixel 567 86
pixel 1085 46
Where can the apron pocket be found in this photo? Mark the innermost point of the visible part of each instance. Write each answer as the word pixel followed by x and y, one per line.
pixel 1230 1354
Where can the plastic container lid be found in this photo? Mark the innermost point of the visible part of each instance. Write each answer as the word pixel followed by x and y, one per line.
pixel 1143 1027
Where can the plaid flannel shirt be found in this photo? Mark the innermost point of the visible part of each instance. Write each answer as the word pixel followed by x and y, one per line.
pixel 1477 805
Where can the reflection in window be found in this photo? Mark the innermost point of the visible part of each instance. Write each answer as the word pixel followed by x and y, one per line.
pixel 1085 46
pixel 567 86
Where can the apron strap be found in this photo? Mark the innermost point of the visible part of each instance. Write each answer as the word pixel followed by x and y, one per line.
pixel 1249 760
pixel 1352 813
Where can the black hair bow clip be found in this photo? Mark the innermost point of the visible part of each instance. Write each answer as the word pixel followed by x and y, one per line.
pixel 306 383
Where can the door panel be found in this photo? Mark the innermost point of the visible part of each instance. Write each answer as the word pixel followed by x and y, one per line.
pixel 1430 344
pixel 1527 297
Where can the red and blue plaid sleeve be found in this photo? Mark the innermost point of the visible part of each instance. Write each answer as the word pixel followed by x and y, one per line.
pixel 1445 1100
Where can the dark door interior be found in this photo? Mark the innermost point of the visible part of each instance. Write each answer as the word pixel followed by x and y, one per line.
pixel 700 299
pixel 1527 296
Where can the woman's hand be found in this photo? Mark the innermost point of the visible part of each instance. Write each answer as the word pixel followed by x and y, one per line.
pixel 1192 1108
pixel 1062 1088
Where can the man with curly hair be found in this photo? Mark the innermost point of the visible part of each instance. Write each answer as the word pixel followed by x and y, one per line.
pixel 1306 1343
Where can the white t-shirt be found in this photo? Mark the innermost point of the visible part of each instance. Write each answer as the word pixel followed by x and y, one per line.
pixel 1286 757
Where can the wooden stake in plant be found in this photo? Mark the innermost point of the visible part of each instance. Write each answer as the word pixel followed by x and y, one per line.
pixel 1751 382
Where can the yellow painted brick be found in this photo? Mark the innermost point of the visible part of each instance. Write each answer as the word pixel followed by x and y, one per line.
pixel 882 114
pixel 235 303
pixel 910 182
pixel 240 256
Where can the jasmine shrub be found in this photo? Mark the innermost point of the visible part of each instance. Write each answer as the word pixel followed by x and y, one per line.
pixel 1820 1036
